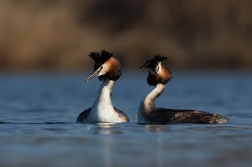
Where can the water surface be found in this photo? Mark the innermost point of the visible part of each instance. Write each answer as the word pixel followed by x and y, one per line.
pixel 38 114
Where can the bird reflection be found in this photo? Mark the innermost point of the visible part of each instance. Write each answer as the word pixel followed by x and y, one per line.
pixel 156 128
pixel 106 143
pixel 105 128
pixel 160 145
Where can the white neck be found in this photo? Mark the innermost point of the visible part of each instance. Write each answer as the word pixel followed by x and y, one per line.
pixel 147 104
pixel 104 94
pixel 102 109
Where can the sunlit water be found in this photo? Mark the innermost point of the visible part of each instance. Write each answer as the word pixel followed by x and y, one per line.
pixel 38 114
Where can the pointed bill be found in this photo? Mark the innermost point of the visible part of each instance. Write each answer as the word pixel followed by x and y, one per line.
pixel 94 74
pixel 145 64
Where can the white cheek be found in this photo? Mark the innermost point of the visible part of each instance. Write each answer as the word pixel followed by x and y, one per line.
pixel 158 72
pixel 104 70
pixel 159 68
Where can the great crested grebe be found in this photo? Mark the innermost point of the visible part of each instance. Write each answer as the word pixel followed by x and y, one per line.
pixel 159 75
pixel 108 70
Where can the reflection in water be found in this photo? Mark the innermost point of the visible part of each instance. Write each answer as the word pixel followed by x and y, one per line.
pixel 106 149
pixel 160 147
pixel 156 128
pixel 106 141
pixel 105 128
pixel 160 152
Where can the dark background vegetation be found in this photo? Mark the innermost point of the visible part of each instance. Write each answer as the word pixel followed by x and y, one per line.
pixel 59 34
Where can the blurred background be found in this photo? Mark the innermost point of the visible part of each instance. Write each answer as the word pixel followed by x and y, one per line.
pixel 59 34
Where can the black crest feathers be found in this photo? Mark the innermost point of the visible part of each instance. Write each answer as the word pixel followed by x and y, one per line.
pixel 153 62
pixel 100 58
pixel 115 69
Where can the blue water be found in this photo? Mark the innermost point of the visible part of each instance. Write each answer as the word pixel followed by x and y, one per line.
pixel 38 113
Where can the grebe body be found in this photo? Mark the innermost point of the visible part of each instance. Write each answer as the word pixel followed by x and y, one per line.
pixel 158 76
pixel 108 69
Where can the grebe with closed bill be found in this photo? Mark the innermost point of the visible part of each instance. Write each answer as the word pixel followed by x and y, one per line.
pixel 158 76
pixel 108 70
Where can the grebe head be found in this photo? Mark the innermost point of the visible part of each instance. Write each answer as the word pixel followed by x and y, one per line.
pixel 105 66
pixel 158 73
